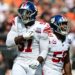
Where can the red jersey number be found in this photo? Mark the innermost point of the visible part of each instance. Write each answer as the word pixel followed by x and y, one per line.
pixel 29 49
pixel 58 59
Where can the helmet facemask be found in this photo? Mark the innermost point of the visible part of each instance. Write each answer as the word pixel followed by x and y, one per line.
pixel 62 28
pixel 25 15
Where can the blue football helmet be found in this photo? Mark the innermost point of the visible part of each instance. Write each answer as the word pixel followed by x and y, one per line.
pixel 27 12
pixel 59 24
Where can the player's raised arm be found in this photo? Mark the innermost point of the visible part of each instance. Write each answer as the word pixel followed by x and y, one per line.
pixel 67 65
pixel 44 43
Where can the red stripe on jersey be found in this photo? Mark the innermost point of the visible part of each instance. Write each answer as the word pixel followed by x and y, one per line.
pixel 47 29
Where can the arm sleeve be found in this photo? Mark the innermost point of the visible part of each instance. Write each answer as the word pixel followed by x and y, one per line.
pixel 10 37
pixel 44 41
pixel 44 45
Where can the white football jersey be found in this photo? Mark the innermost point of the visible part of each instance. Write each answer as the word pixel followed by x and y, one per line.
pixel 56 53
pixel 33 47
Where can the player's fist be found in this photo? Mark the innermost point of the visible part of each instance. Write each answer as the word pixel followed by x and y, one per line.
pixel 34 64
pixel 19 40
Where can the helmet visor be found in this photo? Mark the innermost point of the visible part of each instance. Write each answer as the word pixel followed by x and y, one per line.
pixel 24 15
pixel 64 27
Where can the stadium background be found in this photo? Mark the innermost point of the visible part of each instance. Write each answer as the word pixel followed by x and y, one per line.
pixel 46 9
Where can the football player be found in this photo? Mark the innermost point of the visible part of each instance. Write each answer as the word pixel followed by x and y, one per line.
pixel 58 54
pixel 31 38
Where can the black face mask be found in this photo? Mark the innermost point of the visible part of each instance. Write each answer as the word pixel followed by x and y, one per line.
pixel 25 15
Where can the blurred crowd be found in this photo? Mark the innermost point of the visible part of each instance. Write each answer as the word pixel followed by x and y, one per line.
pixel 46 9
